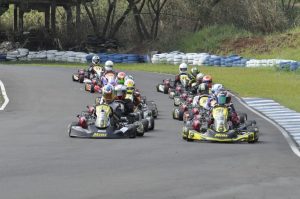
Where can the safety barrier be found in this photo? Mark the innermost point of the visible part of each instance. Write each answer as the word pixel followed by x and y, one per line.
pixel 206 59
pixel 71 56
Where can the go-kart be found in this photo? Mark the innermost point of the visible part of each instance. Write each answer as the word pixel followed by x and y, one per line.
pixel 101 122
pixel 221 130
pixel 165 86
pixel 80 76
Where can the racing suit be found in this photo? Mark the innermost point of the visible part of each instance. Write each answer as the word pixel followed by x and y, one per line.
pixel 177 78
pixel 90 70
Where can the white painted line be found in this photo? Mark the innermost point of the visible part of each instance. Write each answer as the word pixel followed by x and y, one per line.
pixel 288 138
pixel 6 100
pixel 286 117
pixel 256 100
pixel 283 115
pixel 262 108
pixel 280 112
pixel 291 120
pixel 290 126
pixel 263 104
pixel 295 133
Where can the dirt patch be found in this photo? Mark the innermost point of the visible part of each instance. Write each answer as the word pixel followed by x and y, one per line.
pixel 242 44
pixel 259 44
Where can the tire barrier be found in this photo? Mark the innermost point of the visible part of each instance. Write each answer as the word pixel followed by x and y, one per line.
pixel 199 59
pixel 70 56
pixel 120 58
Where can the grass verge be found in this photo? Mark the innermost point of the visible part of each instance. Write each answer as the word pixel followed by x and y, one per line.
pixel 282 86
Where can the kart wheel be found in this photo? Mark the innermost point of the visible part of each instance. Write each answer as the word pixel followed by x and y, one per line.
pixel 180 116
pixel 166 89
pixel 73 78
pixel 152 124
pixel 132 133
pixel 243 117
pixel 70 127
pixel 140 130
pixel 92 88
pixel 81 78
pixel 255 138
pixel 157 88
pixel 146 125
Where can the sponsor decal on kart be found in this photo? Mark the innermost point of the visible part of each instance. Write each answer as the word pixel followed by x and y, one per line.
pixel 99 135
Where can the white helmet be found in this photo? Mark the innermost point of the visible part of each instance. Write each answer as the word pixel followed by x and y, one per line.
pixel 216 88
pixel 95 59
pixel 199 77
pixel 183 68
pixel 109 65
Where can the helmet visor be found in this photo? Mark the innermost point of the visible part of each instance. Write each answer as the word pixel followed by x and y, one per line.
pixel 221 100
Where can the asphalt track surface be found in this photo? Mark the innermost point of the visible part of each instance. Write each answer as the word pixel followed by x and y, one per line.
pixel 39 160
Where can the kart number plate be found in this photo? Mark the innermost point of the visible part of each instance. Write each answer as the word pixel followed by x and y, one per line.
pixel 99 135
pixel 124 129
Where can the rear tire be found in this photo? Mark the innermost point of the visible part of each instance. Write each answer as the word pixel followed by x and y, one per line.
pixel 180 116
pixel 92 88
pixel 81 78
pixel 243 117
pixel 166 89
pixel 152 124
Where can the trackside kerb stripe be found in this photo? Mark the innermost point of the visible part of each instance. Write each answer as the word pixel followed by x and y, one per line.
pixel 284 123
pixel 6 100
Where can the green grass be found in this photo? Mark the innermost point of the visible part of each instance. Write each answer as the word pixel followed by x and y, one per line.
pixel 209 39
pixel 282 86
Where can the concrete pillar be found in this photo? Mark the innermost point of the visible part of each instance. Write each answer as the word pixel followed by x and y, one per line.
pixel 53 17
pixel 15 18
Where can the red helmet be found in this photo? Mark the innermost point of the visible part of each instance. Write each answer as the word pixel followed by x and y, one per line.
pixel 189 100
pixel 196 125
pixel 178 89
pixel 91 109
pixel 195 111
pixel 184 96
pixel 121 78
pixel 207 79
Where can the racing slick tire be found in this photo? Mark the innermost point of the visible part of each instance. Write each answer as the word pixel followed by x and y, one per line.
pixel 180 116
pixel 132 134
pixel 92 88
pixel 152 124
pixel 80 78
pixel 166 89
pixel 73 79
pixel 243 117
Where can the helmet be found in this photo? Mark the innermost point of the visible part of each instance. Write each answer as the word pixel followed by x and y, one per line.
pixel 208 80
pixel 120 91
pixel 129 83
pixel 128 77
pixel 199 78
pixel 109 65
pixel 183 68
pixel 203 88
pixel 184 96
pixel 221 97
pixel 121 78
pixel 216 88
pixel 95 59
pixel 108 93
pixel 194 71
pixel 178 89
pixel 189 100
